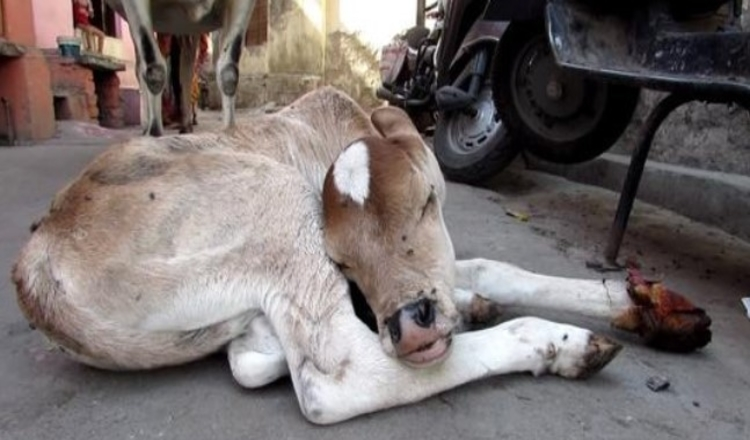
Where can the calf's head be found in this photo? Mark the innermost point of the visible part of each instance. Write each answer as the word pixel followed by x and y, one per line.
pixel 383 220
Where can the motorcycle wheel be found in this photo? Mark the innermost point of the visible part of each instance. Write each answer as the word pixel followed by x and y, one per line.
pixel 557 114
pixel 473 145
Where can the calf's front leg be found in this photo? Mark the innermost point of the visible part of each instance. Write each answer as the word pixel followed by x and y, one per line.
pixel 665 319
pixel 256 358
pixel 339 369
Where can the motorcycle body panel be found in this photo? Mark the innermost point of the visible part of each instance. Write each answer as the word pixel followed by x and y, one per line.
pixel 482 34
pixel 629 47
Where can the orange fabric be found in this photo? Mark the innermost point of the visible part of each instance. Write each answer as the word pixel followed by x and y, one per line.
pixel 202 49
pixel 170 108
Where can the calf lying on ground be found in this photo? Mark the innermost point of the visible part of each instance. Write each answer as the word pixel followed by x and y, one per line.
pixel 166 250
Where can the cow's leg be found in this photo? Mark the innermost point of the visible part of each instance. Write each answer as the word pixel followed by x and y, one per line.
pixel 235 22
pixel 665 319
pixel 339 369
pixel 256 358
pixel 188 47
pixel 152 69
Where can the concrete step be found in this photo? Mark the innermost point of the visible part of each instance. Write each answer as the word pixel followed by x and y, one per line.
pixel 710 197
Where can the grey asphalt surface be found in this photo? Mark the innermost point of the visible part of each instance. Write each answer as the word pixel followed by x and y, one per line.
pixel 43 395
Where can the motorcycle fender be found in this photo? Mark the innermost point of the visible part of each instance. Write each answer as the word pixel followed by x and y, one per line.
pixel 512 10
pixel 483 33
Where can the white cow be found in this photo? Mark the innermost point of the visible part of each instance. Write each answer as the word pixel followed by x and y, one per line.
pixel 185 18
pixel 165 250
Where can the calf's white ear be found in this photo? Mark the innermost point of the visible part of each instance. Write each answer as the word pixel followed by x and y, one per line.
pixel 392 122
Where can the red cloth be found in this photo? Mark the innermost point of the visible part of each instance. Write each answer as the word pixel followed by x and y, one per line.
pixel 164 41
pixel 202 50
pixel 80 14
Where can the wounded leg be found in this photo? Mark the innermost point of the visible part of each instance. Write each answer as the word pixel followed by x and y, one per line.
pixel 665 319
pixel 256 358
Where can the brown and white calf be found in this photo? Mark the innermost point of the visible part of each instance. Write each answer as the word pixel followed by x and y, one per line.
pixel 165 250
pixel 187 18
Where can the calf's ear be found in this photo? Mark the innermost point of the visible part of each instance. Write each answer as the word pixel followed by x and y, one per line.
pixel 392 122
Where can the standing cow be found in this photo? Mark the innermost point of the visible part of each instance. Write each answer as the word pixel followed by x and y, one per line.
pixel 185 17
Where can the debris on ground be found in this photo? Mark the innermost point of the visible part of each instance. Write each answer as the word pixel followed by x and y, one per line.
pixel 657 383
pixel 746 303
pixel 518 215
pixel 603 266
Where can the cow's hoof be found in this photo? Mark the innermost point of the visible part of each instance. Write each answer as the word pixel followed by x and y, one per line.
pixel 664 319
pixel 153 131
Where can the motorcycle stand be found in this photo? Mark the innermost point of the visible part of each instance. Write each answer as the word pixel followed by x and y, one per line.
pixel 635 171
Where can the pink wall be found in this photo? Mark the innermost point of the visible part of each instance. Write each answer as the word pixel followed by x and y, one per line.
pixel 52 19
pixel 128 78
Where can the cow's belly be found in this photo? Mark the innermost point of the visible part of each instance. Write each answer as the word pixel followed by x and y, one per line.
pixel 179 18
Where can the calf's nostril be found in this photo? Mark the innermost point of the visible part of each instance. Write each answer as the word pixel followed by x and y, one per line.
pixel 425 313
pixel 394 327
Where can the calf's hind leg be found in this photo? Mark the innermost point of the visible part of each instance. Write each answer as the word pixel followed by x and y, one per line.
pixel 256 358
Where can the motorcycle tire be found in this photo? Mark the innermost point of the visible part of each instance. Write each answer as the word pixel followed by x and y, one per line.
pixel 559 115
pixel 472 145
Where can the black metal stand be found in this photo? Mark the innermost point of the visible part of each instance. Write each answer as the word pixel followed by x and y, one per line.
pixel 635 171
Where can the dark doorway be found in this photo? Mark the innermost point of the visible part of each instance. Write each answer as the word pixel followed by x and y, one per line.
pixel 104 18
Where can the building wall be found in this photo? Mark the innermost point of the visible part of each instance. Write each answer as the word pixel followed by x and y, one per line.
pixel 374 22
pixel 24 81
pixel 128 78
pixel 315 42
pixel 297 37
pixel 52 19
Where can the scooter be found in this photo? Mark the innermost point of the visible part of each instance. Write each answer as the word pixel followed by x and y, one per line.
pixel 470 141
pixel 500 84
pixel 567 73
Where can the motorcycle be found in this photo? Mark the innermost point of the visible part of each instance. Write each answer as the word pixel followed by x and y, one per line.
pixel 470 141
pixel 565 75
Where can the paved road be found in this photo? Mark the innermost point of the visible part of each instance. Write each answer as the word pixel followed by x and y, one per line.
pixel 45 396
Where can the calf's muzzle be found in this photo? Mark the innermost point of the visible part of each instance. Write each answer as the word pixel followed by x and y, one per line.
pixel 415 336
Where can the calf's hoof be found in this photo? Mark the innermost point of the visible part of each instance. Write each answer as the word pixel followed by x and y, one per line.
pixel 664 319
pixel 481 313
pixel 598 353
pixel 565 350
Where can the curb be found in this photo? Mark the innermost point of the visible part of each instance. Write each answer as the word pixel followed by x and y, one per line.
pixel 714 198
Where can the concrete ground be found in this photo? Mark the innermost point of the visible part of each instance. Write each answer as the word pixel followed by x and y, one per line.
pixel 43 395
